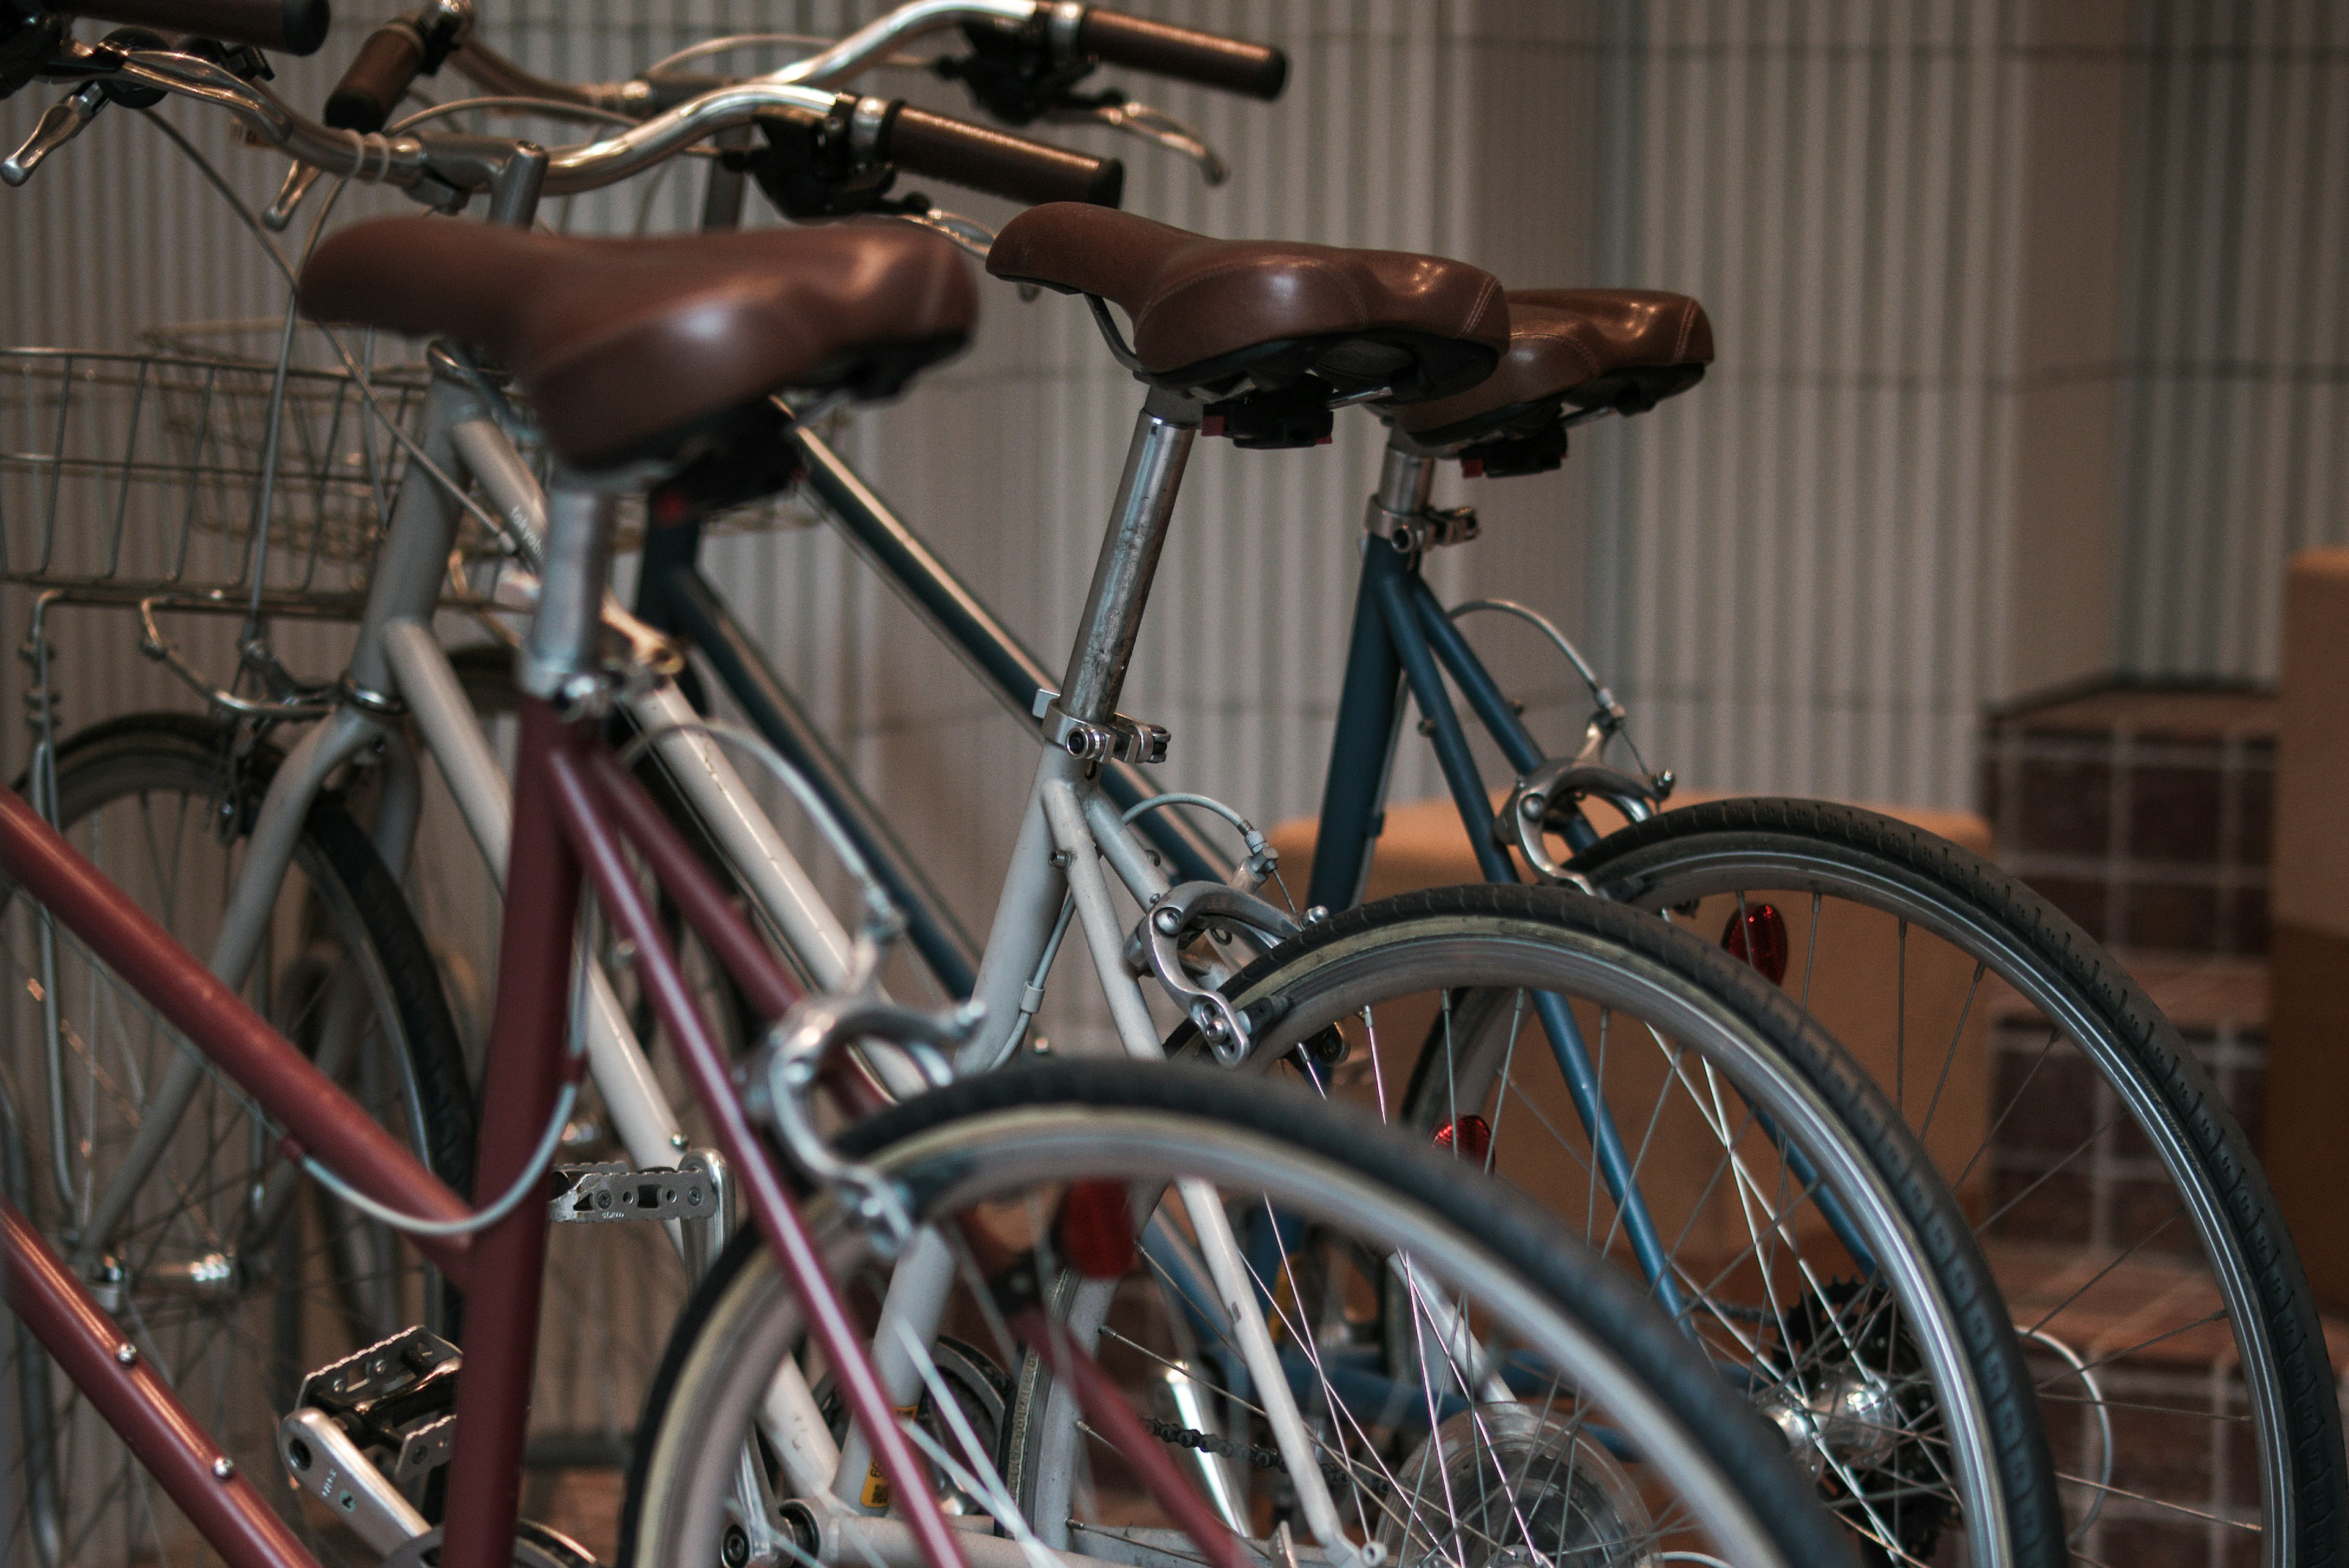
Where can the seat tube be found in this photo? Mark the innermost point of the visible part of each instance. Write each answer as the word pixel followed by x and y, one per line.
pixel 527 1066
pixel 525 1073
pixel 1163 434
pixel 560 647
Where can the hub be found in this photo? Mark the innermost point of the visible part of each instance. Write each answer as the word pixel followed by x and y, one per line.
pixel 1564 1497
pixel 1860 1413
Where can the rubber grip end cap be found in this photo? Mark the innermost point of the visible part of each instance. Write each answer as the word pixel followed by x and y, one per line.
pixel 303 26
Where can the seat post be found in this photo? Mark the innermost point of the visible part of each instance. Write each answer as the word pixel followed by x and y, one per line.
pixel 1163 434
pixel 1406 479
pixel 561 644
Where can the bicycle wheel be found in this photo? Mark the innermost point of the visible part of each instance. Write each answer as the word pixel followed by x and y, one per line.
pixel 1790 1220
pixel 229 1270
pixel 1576 1427
pixel 2113 1189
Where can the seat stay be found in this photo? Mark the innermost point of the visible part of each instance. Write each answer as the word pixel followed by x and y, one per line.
pixel 1410 622
pixel 1390 653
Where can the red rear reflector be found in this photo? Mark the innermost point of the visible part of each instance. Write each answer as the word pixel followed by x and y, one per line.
pixel 1097 1229
pixel 1472 468
pixel 1470 1136
pixel 1760 940
pixel 1212 426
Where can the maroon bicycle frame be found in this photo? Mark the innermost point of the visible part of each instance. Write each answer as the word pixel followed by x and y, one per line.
pixel 597 812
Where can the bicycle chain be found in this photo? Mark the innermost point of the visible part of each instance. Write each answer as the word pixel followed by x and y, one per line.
pixel 1256 1456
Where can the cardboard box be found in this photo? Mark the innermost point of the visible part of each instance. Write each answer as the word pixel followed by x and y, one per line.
pixel 2304 1150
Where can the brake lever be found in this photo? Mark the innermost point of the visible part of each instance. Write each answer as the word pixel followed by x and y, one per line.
pixel 299 178
pixel 59 123
pixel 1151 125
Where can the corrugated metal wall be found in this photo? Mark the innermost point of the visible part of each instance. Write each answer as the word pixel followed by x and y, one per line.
pixel 2235 445
pixel 1790 574
pixel 1807 547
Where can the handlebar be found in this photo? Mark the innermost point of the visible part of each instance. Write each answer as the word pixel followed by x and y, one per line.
pixel 1067 31
pixel 933 144
pixel 1209 59
pixel 920 142
pixel 290 26
pixel 393 56
pixel 851 57
pixel 988 160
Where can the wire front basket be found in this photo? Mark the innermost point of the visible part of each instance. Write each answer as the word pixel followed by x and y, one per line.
pixel 129 476
pixel 198 473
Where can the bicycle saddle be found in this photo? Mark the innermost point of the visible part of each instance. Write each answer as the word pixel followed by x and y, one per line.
pixel 1214 316
pixel 625 347
pixel 1620 349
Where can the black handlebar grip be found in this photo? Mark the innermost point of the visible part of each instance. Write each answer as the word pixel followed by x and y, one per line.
pixel 1259 70
pixel 289 27
pixel 995 161
pixel 377 78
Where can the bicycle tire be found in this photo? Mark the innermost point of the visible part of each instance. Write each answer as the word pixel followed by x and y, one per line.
pixel 1893 866
pixel 188 747
pixel 938 1142
pixel 1366 946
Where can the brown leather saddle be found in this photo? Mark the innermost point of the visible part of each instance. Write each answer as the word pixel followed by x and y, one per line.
pixel 1267 323
pixel 1580 349
pixel 627 347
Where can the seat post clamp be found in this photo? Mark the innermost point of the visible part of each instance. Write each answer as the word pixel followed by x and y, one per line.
pixel 1121 738
pixel 1421 528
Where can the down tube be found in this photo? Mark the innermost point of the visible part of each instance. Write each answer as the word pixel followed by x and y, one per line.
pixel 138 1402
pixel 312 1108
pixel 693 608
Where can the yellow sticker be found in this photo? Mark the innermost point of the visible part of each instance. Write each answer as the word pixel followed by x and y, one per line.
pixel 876 1485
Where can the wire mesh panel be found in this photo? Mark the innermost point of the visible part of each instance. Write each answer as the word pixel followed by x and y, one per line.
pixel 128 475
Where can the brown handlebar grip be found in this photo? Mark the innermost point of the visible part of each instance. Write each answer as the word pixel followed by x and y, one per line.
pixel 289 27
pixel 1259 70
pixel 995 161
pixel 377 78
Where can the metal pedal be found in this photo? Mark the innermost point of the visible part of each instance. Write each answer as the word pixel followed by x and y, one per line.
pixel 608 1194
pixel 368 1432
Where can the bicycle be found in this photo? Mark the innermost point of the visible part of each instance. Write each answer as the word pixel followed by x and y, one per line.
pixel 1801 889
pixel 1088 1153
pixel 1815 1118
